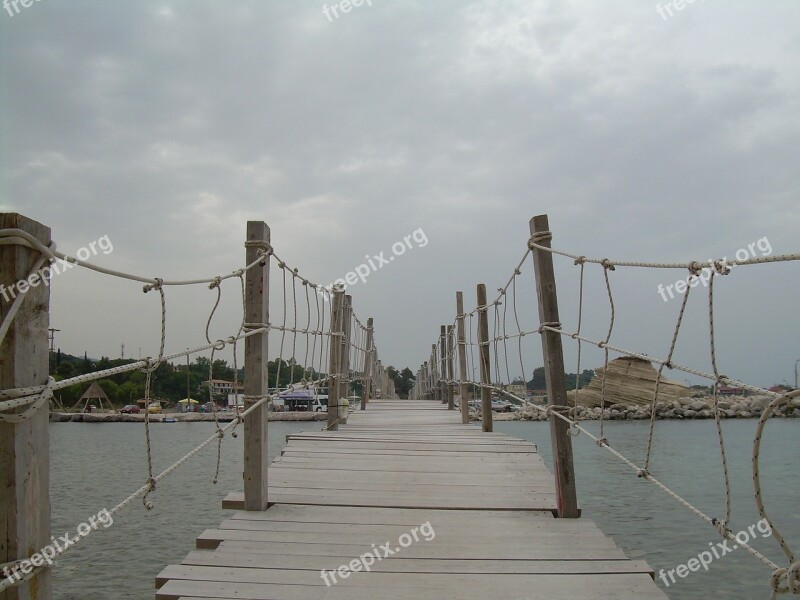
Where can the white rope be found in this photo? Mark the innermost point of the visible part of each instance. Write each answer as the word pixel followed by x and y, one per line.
pixel 145 489
pixel 692 265
pixel 23 238
pixel 32 397
pixel 640 472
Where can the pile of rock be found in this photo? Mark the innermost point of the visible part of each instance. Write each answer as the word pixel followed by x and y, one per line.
pixel 630 386
pixel 629 381
pixel 730 407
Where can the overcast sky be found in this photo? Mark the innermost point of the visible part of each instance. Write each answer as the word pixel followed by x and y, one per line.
pixel 167 125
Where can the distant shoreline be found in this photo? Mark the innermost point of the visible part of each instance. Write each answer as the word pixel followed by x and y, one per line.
pixel 223 417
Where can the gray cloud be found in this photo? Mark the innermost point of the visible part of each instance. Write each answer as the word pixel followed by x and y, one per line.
pixel 166 125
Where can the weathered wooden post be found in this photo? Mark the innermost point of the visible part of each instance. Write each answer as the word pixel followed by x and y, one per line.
pixel 483 353
pixel 25 446
pixel 335 358
pixel 255 367
pixel 442 364
pixel 347 313
pixel 554 369
pixel 368 366
pixel 450 371
pixel 462 357
pixel 435 389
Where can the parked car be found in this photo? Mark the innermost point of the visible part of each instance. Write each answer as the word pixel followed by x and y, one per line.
pixel 154 408
pixel 130 409
pixel 499 405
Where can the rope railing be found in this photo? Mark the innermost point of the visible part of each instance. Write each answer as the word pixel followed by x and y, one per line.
pixel 505 326
pixel 303 326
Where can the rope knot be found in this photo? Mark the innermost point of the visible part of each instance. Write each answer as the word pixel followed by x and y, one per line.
pixel 580 260
pixel 551 324
pixel 785 580
pixel 721 267
pixel 695 268
pixel 721 526
pixel 156 285
pixel 603 441
pixel 151 486
pixel 215 283
pixel 539 236
pixel 643 473
pixel 608 265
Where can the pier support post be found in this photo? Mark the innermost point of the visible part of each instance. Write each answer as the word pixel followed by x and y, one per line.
pixel 335 358
pixel 483 353
pixel 450 371
pixel 434 375
pixel 255 368
pixel 347 313
pixel 24 446
pixel 462 357
pixel 368 366
pixel 554 369
pixel 443 364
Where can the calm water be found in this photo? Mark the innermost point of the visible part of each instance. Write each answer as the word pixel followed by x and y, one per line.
pixel 651 526
pixel 94 466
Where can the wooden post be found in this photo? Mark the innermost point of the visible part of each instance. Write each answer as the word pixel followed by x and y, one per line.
pixel 483 352
pixel 450 371
pixel 347 312
pixel 367 366
pixel 462 357
pixel 255 369
pixel 437 391
pixel 335 358
pixel 554 370
pixel 442 364
pixel 25 446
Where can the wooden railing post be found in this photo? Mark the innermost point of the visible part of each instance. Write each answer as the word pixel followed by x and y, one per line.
pixel 462 357
pixel 435 390
pixel 256 357
pixel 483 352
pixel 368 366
pixel 347 313
pixel 450 371
pixel 442 364
pixel 335 358
pixel 25 446
pixel 554 369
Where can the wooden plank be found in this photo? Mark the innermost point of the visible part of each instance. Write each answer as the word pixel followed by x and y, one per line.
pixel 433 587
pixel 317 563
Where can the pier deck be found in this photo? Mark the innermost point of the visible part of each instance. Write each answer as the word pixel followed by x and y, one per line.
pixel 488 499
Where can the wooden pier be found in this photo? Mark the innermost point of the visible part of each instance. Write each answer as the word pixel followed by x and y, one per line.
pixel 336 495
